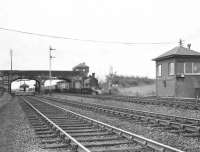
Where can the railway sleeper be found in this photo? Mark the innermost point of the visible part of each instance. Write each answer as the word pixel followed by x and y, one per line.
pixel 131 119
pixel 168 128
pixel 50 141
pixel 186 121
pixel 192 128
pixel 33 118
pixel 67 122
pixel 124 149
pixel 191 135
pixel 82 131
pixel 47 136
pixel 63 118
pixel 39 126
pixel 41 129
pixel 70 123
pixel 186 128
pixel 136 139
pixel 154 121
pixel 51 112
pixel 147 144
pixel 44 132
pixel 74 125
pixel 56 146
pixel 194 122
pixel 155 147
pixel 30 115
pixel 178 131
pixel 143 123
pixel 176 125
pixel 106 144
pixel 157 125
pixel 57 115
pixel 164 123
pixel 37 123
pixel 78 128
pixel 93 134
pixel 58 118
pixel 103 138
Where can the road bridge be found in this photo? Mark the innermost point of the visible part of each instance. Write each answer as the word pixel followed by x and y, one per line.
pixel 40 76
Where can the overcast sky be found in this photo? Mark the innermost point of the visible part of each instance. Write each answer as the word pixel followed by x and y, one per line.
pixel 103 20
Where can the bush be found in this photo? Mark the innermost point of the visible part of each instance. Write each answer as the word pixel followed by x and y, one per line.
pixel 128 81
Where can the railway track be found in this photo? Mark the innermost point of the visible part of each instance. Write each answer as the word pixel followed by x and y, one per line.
pixel 185 126
pixel 192 104
pixel 64 129
pixel 50 135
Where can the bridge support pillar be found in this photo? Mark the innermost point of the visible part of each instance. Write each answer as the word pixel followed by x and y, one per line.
pixel 37 86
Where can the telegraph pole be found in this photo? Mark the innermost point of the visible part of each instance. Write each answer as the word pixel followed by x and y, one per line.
pixel 10 74
pixel 50 66
pixel 11 60
pixel 110 80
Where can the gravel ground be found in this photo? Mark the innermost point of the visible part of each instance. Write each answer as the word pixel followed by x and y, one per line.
pixel 4 99
pixel 15 133
pixel 180 142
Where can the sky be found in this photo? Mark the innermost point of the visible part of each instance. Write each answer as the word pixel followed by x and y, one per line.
pixel 135 21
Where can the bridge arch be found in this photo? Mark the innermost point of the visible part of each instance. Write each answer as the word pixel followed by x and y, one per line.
pixel 37 84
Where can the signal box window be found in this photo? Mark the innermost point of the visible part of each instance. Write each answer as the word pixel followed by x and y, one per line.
pixel 171 68
pixel 159 70
pixel 196 67
pixel 188 67
pixel 180 67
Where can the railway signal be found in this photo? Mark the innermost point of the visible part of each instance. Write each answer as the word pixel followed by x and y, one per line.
pixel 50 66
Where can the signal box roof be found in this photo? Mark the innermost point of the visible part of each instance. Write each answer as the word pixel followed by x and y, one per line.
pixel 178 51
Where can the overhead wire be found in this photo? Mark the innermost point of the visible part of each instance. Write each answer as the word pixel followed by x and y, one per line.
pixel 85 40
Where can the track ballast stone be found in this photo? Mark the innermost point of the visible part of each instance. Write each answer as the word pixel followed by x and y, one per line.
pixel 16 135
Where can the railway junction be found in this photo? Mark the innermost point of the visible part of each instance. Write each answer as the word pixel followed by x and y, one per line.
pixel 68 122
pixel 71 118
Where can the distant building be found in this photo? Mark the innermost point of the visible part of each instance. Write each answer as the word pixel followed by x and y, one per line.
pixel 82 67
pixel 79 82
pixel 63 84
pixel 178 73
pixel 91 82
